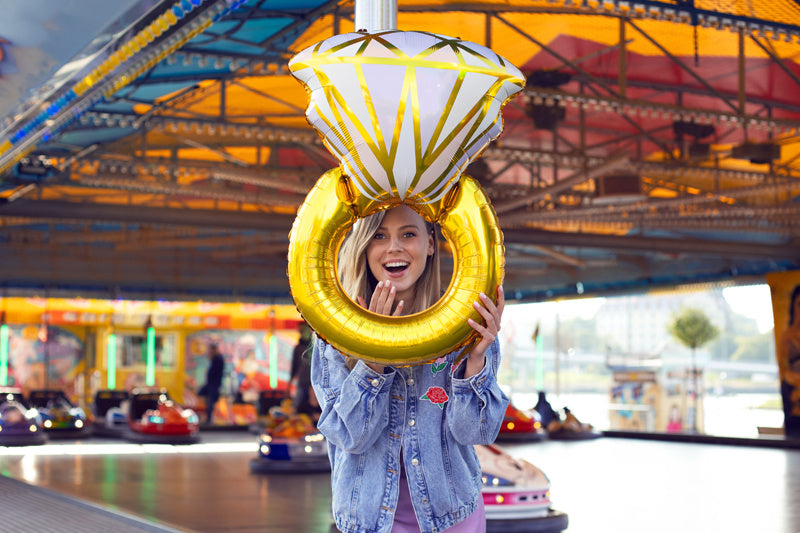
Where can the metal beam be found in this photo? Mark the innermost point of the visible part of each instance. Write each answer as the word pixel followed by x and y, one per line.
pixel 653 244
pixel 206 218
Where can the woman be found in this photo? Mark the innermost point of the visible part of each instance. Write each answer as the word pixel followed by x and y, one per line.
pixel 400 439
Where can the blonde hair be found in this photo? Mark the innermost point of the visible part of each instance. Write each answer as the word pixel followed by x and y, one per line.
pixel 357 279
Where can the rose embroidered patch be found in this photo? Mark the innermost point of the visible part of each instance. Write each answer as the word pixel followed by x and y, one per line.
pixel 439 365
pixel 436 395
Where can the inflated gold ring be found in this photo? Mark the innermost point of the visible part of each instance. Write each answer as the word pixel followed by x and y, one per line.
pixel 469 224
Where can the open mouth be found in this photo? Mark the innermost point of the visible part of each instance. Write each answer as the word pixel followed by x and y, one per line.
pixel 395 267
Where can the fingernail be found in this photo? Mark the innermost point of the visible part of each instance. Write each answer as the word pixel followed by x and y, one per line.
pixel 380 284
pixel 483 295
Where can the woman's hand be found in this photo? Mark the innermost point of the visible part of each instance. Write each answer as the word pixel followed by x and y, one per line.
pixel 381 303
pixel 491 313
pixel 383 299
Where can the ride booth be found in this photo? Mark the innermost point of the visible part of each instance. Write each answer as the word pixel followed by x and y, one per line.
pixel 656 400
pixel 81 347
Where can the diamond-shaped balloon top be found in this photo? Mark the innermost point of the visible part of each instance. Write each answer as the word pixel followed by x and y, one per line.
pixel 405 112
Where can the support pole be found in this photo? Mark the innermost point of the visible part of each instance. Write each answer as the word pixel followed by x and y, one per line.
pixel 375 15
pixel 3 354
pixel 111 360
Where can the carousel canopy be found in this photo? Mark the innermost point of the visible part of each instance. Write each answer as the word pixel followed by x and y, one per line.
pixel 161 149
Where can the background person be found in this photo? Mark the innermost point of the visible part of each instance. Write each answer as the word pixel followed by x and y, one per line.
pixel 300 377
pixel 400 439
pixel 213 383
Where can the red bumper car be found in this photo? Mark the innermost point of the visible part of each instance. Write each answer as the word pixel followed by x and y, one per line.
pixel 521 426
pixel 154 418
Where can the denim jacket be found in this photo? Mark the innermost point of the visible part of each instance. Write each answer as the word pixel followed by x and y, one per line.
pixel 429 412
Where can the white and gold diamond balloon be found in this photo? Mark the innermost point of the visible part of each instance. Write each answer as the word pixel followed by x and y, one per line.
pixel 405 112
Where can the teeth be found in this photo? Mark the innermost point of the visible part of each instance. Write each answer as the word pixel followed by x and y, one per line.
pixel 396 264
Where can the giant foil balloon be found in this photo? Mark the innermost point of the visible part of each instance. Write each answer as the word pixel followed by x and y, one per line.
pixel 404 113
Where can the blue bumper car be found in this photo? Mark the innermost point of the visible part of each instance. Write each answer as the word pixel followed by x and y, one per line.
pixel 110 413
pixel 60 418
pixel 294 445
pixel 20 425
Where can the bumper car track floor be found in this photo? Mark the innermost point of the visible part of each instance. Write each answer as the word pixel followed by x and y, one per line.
pixel 27 508
pixel 101 485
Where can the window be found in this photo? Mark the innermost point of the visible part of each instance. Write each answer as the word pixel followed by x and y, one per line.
pixel 132 350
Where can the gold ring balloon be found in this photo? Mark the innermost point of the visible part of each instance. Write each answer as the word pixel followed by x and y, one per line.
pixel 405 113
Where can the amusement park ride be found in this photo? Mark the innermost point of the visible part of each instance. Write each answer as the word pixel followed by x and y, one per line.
pixel 166 154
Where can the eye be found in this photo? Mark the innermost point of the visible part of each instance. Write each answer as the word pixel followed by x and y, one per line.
pixel 378 236
pixel 409 234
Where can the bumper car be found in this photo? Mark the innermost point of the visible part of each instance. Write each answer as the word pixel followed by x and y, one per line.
pixel 270 402
pixel 154 418
pixel 294 445
pixel 521 426
pixel 110 413
pixel 570 428
pixel 60 418
pixel 516 495
pixel 19 424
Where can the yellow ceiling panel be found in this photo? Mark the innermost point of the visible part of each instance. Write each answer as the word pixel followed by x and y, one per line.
pixel 677 38
pixel 249 97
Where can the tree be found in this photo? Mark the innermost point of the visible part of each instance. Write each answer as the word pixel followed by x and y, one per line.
pixel 693 329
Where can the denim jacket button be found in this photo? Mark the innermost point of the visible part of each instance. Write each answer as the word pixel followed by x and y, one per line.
pixel 415 462
pixel 376 382
pixel 410 381
pixel 411 422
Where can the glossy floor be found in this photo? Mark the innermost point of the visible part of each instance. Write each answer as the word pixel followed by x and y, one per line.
pixel 607 484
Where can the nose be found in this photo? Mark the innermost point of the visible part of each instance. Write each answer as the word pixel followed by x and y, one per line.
pixel 395 244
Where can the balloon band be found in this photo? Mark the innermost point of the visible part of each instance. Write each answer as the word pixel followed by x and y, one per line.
pixel 469 224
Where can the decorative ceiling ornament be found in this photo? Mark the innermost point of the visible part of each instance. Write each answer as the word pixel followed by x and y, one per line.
pixel 405 112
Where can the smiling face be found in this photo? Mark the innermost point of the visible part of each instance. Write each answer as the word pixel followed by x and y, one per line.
pixel 399 250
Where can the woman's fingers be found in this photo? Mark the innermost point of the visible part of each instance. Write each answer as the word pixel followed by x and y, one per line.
pixel 501 300
pixel 492 313
pixel 383 298
pixel 488 317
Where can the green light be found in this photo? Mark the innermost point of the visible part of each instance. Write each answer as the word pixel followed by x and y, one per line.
pixel 111 356
pixel 4 355
pixel 150 376
pixel 273 362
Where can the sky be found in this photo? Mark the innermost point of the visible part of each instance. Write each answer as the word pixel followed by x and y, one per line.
pixel 753 301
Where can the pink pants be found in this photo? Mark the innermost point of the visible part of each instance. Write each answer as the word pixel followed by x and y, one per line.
pixel 406 522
